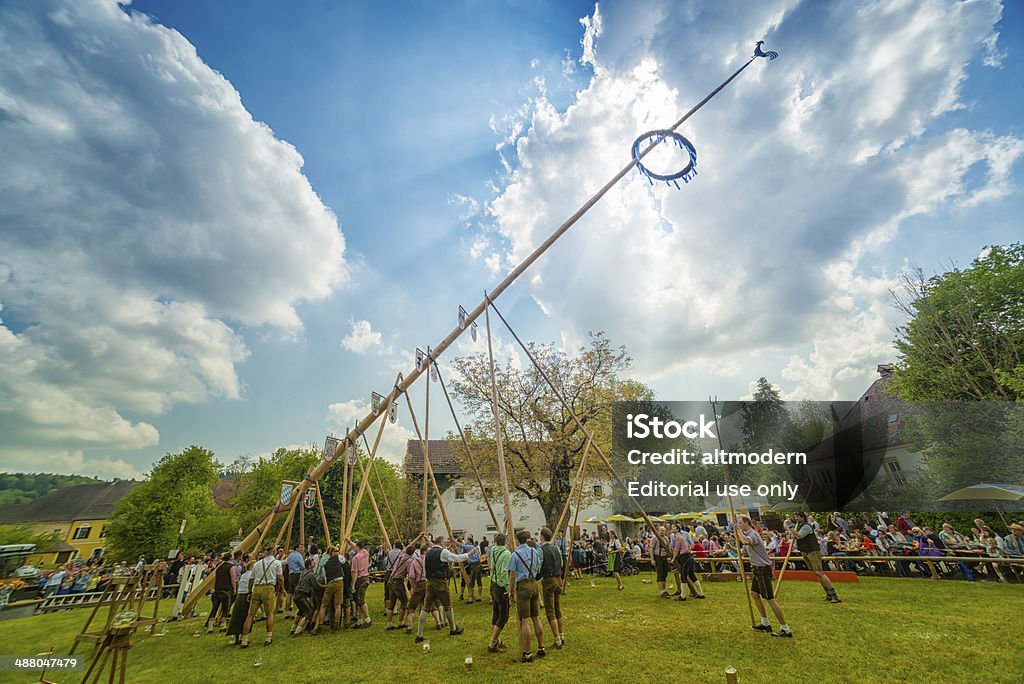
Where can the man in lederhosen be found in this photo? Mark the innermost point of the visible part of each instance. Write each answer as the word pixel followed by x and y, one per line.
pixel 523 568
pixel 551 586
pixel 810 550
pixel 659 552
pixel 435 567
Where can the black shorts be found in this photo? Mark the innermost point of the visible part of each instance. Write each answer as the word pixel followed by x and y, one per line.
pixel 762 582
pixel 291 581
pixel 661 567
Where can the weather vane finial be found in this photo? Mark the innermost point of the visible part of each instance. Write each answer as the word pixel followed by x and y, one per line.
pixel 758 52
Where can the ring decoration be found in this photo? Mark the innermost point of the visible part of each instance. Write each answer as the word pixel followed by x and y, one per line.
pixel 660 136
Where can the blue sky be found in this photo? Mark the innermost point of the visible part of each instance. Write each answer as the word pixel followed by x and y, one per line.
pixel 227 223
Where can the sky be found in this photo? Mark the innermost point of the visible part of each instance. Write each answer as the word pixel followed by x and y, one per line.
pixel 226 224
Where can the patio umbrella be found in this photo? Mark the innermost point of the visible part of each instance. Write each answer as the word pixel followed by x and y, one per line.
pixel 988 492
pixel 618 517
pixel 683 516
pixel 594 520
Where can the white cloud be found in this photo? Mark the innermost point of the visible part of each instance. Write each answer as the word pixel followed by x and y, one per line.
pixel 591 31
pixel 362 338
pixel 993 55
pixel 808 165
pixel 146 217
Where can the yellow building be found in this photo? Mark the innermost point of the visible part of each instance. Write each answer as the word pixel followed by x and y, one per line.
pixel 77 514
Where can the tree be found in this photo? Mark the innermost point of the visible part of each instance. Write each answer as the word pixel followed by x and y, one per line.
pixel 147 519
pixel 965 336
pixel 961 366
pixel 543 444
pixel 765 419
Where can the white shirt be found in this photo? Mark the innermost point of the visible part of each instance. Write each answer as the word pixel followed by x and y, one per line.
pixel 266 571
pixel 243 582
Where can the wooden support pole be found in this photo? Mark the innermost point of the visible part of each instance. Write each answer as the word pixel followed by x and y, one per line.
pixel 387 503
pixel 343 530
pixel 380 488
pixel 430 473
pixel 469 453
pixel 323 516
pixel 579 423
pixel 735 521
pixel 782 570
pixel 373 502
pixel 509 525
pixel 263 533
pixel 287 523
pixel 576 514
pixel 576 482
pixel 363 484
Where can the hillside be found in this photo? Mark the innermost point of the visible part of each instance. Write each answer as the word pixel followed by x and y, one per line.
pixel 24 487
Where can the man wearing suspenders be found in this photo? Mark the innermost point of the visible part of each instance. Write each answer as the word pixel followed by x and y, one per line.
pixel 265 575
pixel 551 586
pixel 435 566
pixel 523 568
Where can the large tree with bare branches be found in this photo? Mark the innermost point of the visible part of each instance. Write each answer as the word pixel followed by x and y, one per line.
pixel 543 444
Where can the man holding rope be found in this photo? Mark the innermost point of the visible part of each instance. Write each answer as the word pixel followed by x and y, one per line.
pixel 807 544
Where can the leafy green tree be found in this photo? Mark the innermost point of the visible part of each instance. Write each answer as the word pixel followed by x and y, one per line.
pixel 147 519
pixel 965 336
pixel 766 422
pixel 962 366
pixel 542 442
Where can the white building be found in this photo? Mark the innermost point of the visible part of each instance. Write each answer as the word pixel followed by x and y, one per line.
pixel 467 513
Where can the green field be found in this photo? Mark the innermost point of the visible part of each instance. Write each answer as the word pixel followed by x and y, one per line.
pixel 886 630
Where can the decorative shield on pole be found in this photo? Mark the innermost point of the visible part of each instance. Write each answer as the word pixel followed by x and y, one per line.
pixel 463 317
pixel 375 401
pixel 393 412
pixel 472 330
pixel 433 366
pixel 330 446
pixel 310 499
pixel 287 491
pixel 419 359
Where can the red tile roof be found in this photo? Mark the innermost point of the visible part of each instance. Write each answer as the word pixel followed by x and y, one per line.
pixel 442 460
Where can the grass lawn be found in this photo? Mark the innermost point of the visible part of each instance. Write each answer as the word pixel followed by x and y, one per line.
pixel 886 630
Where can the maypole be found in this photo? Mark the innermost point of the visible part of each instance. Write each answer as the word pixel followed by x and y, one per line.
pixel 467 319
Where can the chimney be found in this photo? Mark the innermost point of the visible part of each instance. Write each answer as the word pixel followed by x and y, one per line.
pixel 885 370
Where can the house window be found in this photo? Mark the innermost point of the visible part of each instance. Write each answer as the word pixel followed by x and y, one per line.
pixel 458 533
pixel 82 532
pixel 896 474
pixel 460 494
pixel 866 398
pixel 103 532
pixel 598 490
pixel 492 528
